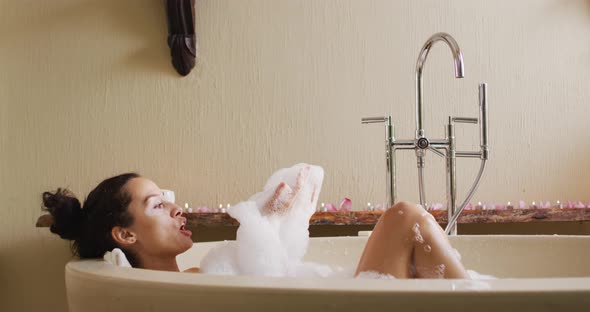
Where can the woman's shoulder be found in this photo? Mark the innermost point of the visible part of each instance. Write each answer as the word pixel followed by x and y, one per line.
pixel 192 270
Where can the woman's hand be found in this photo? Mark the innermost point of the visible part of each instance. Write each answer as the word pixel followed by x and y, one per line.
pixel 284 196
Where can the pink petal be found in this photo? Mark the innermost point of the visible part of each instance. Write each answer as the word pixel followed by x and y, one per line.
pixel 437 206
pixel 500 207
pixel 330 207
pixel 522 204
pixel 346 204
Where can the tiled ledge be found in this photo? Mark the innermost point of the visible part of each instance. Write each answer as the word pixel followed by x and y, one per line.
pixel 371 217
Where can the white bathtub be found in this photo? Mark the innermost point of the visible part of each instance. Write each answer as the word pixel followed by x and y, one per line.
pixel 535 273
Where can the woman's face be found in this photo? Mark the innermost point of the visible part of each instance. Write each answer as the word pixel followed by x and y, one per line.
pixel 158 225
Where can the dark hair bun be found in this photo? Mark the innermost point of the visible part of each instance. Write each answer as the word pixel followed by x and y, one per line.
pixel 67 213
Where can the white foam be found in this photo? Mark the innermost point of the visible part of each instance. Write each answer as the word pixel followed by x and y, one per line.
pixel 417 235
pixel 272 243
pixel 478 276
pixel 375 275
pixel 438 271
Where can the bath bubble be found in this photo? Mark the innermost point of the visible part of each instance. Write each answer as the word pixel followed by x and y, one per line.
pixel 427 248
pixel 311 269
pixel 470 285
pixel 341 272
pixel 401 212
pixel 438 271
pixel 478 276
pixel 417 235
pixel 375 275
pixel 220 260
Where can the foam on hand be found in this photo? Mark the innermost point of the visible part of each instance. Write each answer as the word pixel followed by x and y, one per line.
pixel 273 235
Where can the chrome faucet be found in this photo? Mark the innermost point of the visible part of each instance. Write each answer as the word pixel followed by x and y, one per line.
pixel 441 147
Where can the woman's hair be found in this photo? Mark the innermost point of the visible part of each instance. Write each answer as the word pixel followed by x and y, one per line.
pixel 89 226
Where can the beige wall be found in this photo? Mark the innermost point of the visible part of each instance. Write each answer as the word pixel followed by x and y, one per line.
pixel 87 91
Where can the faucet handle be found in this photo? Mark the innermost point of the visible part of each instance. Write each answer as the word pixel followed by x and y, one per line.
pixel 368 120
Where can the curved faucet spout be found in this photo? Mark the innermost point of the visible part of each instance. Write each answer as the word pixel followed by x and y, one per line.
pixel 458 60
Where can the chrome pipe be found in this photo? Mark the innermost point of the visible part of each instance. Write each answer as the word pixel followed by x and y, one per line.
pixel 468 154
pixel 483 117
pixel 390 159
pixel 389 154
pixel 451 175
pixel 452 221
pixel 459 72
pixel 465 120
pixel 435 151
pixel 368 120
pixel 421 190
pixel 404 144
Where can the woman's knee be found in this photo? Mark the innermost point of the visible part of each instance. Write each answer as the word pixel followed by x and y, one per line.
pixel 406 208
pixel 403 212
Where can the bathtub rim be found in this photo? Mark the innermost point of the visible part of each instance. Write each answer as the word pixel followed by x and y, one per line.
pixel 92 269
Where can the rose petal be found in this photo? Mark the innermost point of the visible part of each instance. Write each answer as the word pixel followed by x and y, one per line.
pixel 346 204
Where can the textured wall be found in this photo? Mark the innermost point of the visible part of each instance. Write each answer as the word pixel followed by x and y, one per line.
pixel 87 91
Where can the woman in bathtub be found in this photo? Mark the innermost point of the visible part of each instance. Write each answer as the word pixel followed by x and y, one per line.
pixel 128 212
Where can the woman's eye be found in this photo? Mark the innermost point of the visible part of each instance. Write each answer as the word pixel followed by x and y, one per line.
pixel 160 205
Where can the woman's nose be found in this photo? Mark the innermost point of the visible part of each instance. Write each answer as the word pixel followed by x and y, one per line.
pixel 175 210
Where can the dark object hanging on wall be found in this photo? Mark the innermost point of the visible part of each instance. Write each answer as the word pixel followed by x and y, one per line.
pixel 181 34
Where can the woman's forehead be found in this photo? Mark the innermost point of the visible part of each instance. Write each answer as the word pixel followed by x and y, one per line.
pixel 140 188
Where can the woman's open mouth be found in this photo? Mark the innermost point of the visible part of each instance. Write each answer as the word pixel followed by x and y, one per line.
pixel 184 230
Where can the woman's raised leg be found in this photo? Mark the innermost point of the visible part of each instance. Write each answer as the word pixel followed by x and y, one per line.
pixel 407 242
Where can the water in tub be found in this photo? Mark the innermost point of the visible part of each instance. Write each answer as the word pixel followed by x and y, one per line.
pixel 273 237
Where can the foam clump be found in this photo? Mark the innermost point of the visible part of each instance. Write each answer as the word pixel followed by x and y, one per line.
pixel 417 235
pixel 478 276
pixel 374 275
pixel 273 235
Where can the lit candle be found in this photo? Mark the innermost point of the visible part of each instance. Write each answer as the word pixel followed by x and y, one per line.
pixel 186 207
